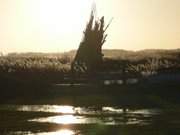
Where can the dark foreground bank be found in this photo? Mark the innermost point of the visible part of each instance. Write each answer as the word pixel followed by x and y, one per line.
pixel 89 109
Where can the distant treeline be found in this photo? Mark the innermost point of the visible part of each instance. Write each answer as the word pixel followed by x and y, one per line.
pixel 110 53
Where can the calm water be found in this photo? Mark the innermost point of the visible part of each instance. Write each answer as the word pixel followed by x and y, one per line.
pixel 69 120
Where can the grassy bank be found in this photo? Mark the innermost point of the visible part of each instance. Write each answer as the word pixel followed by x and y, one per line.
pixel 30 78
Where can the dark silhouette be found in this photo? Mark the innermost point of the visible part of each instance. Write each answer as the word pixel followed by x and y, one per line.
pixel 89 56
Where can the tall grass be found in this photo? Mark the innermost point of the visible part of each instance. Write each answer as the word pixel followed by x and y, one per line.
pixel 30 64
pixel 56 67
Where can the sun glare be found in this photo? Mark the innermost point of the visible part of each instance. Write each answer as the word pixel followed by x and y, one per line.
pixel 62 15
pixel 64 109
pixel 61 119
pixel 60 132
pixel 58 25
pixel 66 119
pixel 56 22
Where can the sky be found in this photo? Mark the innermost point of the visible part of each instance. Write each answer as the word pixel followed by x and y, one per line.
pixel 57 25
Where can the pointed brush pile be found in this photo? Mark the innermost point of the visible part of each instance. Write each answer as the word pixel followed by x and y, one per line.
pixel 89 56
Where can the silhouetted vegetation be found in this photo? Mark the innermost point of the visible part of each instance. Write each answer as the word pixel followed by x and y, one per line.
pixel 51 68
pixel 89 57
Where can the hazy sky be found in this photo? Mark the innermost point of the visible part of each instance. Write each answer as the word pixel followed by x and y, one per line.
pixel 57 25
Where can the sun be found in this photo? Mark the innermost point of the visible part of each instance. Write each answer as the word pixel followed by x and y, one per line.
pixel 57 21
pixel 56 17
pixel 62 15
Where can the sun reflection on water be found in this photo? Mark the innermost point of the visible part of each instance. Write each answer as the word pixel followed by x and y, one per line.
pixel 64 109
pixel 62 119
pixel 60 132
pixel 65 119
pixel 47 108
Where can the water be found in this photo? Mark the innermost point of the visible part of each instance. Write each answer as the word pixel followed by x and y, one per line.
pixel 60 132
pixel 120 82
pixel 71 120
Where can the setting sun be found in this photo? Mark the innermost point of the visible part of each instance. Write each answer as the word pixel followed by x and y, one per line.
pixel 43 25
pixel 58 21
pixel 57 17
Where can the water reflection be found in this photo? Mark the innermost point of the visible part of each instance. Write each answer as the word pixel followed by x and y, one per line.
pixel 70 116
pixel 102 120
pixel 70 119
pixel 67 115
pixel 47 108
pixel 71 110
pixel 62 119
pixel 120 82
pixel 59 132
pixel 64 109
pixel 39 108
pixel 112 110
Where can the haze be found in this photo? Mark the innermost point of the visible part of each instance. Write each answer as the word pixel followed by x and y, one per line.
pixel 57 25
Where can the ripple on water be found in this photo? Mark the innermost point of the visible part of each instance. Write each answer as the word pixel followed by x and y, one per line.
pixel 67 115
pixel 59 132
